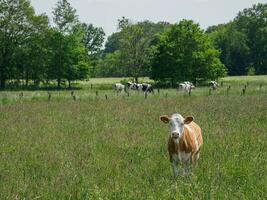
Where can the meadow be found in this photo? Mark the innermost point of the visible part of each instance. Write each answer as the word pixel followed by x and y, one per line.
pixel 116 148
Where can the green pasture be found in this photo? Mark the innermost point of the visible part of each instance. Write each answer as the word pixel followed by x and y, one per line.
pixel 115 148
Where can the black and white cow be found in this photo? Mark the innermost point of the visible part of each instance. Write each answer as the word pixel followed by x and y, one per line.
pixel 131 85
pixel 146 87
pixel 135 86
pixel 213 85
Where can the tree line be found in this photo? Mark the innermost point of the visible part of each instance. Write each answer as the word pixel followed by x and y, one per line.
pixel 33 52
pixel 243 41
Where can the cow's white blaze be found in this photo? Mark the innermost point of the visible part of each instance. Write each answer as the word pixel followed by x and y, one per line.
pixel 176 126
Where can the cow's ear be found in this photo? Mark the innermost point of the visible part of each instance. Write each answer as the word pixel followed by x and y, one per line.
pixel 188 120
pixel 164 118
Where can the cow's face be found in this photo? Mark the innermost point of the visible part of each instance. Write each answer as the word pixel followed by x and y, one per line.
pixel 177 123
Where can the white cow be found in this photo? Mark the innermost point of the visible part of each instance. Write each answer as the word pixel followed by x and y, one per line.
pixel 118 87
pixel 186 86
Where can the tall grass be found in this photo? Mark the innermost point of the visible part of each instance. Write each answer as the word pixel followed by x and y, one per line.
pixel 94 148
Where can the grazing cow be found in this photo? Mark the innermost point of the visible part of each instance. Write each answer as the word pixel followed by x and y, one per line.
pixel 184 142
pixel 118 87
pixel 186 86
pixel 213 85
pixel 139 86
pixel 182 86
pixel 147 87
pixel 131 85
pixel 135 86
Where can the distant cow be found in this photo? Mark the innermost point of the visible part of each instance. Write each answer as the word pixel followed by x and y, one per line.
pixel 131 85
pixel 185 141
pixel 213 85
pixel 147 87
pixel 118 87
pixel 186 86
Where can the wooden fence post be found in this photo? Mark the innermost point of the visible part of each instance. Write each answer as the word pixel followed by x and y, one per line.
pixel 243 91
pixel 49 96
pixel 190 90
pixel 20 95
pixel 228 90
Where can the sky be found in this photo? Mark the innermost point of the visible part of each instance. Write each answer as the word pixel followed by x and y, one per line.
pixel 105 13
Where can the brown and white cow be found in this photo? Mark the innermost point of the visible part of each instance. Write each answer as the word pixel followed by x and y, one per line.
pixel 184 142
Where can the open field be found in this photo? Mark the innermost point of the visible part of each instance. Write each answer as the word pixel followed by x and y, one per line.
pixel 103 86
pixel 94 148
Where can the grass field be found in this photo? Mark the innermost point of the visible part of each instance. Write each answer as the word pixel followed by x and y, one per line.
pixel 94 148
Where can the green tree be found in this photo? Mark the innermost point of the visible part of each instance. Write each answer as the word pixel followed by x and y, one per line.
pixel 77 65
pixel 30 58
pixel 233 46
pixel 16 26
pixel 113 43
pixel 110 66
pixel 123 23
pixel 185 52
pixel 253 23
pixel 93 38
pixel 135 47
pixel 243 41
pixel 65 19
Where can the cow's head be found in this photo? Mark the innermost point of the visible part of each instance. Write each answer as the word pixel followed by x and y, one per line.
pixel 177 123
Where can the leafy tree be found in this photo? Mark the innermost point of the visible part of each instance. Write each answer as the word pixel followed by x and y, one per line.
pixel 185 52
pixel 113 42
pixel 30 58
pixel 65 16
pixel 150 29
pixel 253 23
pixel 233 46
pixel 16 25
pixel 65 19
pixel 93 38
pixel 77 67
pixel 123 23
pixel 243 41
pixel 110 66
pixel 134 44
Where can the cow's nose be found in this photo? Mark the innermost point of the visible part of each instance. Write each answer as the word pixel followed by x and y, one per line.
pixel 175 134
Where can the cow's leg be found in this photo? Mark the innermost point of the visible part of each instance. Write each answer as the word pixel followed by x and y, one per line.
pixel 188 165
pixel 175 169
pixel 195 158
pixel 188 168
